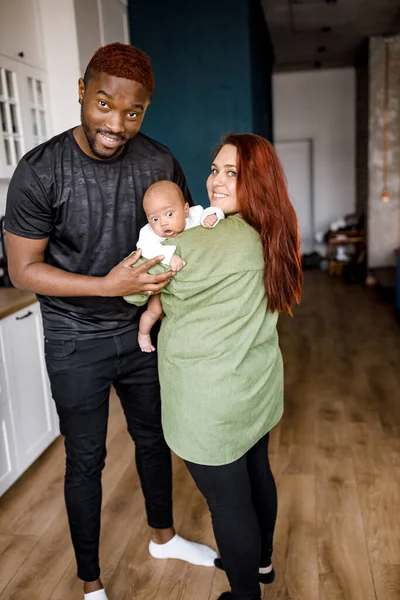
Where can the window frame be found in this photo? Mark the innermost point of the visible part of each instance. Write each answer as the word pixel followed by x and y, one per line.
pixel 25 107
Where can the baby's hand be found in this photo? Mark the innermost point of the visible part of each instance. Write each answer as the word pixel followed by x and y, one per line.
pixel 210 221
pixel 177 263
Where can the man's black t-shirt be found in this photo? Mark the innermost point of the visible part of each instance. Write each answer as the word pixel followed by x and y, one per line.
pixel 91 211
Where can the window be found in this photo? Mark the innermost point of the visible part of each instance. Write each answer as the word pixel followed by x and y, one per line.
pixel 37 110
pixel 11 129
pixel 23 112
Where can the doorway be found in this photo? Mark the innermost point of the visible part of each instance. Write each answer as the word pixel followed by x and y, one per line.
pixel 296 157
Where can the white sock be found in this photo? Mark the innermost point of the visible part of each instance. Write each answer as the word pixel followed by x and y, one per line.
pixel 97 595
pixel 265 570
pixel 191 552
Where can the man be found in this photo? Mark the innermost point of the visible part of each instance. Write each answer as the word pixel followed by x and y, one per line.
pixel 74 210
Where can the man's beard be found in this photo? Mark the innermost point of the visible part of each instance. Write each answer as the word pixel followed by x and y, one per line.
pixel 91 139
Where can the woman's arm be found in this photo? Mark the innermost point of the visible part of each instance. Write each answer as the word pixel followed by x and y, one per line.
pixel 157 269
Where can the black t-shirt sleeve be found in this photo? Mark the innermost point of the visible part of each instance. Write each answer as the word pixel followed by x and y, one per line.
pixel 179 179
pixel 28 207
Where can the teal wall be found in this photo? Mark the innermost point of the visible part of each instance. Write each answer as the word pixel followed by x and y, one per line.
pixel 203 55
pixel 262 62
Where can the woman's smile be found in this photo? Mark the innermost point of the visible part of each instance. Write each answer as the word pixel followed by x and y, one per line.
pixel 221 184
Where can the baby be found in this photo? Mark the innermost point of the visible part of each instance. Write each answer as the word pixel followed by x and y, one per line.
pixel 168 214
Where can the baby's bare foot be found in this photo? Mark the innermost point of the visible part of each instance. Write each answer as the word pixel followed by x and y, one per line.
pixel 145 343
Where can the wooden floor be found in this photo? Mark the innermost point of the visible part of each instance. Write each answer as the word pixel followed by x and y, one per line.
pixel 336 457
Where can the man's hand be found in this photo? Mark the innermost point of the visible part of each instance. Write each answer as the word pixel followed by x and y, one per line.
pixel 126 279
pixel 210 221
pixel 177 263
pixel 28 271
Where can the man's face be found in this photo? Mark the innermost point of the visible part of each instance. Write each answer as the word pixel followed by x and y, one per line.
pixel 112 113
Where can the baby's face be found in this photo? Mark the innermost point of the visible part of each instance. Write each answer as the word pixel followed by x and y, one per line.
pixel 166 213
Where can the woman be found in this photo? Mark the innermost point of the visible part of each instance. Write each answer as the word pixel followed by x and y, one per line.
pixel 220 365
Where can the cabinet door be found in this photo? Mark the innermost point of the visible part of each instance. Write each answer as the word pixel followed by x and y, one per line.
pixel 24 112
pixel 20 36
pixel 8 459
pixel 30 400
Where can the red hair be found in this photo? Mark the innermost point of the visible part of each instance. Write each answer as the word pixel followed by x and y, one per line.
pixel 264 204
pixel 122 60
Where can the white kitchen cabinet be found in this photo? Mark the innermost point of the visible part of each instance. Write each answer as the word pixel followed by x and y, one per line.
pixel 8 458
pixel 20 32
pixel 23 112
pixel 33 421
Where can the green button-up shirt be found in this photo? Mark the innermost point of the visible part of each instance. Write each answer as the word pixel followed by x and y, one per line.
pixel 220 365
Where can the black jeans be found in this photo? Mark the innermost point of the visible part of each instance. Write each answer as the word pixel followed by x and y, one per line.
pixel 242 500
pixel 81 374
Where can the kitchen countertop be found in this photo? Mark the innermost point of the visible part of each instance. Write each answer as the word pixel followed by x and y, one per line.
pixel 12 300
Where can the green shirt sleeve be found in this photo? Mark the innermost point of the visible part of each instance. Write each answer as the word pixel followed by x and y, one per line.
pixel 141 299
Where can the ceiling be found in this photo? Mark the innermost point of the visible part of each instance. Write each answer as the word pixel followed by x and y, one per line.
pixel 326 33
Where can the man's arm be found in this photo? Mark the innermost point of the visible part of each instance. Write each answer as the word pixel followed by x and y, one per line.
pixel 28 271
pixel 179 179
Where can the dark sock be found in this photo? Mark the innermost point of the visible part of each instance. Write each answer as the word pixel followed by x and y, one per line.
pixel 264 577
pixel 218 564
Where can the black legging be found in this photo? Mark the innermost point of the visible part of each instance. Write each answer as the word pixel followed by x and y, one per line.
pixel 242 500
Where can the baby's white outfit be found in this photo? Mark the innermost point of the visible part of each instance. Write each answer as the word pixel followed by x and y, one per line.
pixel 150 242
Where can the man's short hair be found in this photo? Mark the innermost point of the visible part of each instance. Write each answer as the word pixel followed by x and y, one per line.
pixel 121 60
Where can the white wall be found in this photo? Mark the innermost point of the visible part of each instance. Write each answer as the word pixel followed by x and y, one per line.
pixel 320 105
pixel 99 22
pixel 60 51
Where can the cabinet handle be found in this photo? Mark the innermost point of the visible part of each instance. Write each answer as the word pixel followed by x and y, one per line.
pixel 28 314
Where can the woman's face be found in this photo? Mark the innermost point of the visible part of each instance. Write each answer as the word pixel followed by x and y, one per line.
pixel 221 184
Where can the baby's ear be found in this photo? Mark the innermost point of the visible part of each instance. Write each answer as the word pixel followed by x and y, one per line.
pixel 187 208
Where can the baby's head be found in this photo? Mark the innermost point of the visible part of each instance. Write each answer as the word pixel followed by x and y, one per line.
pixel 165 208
